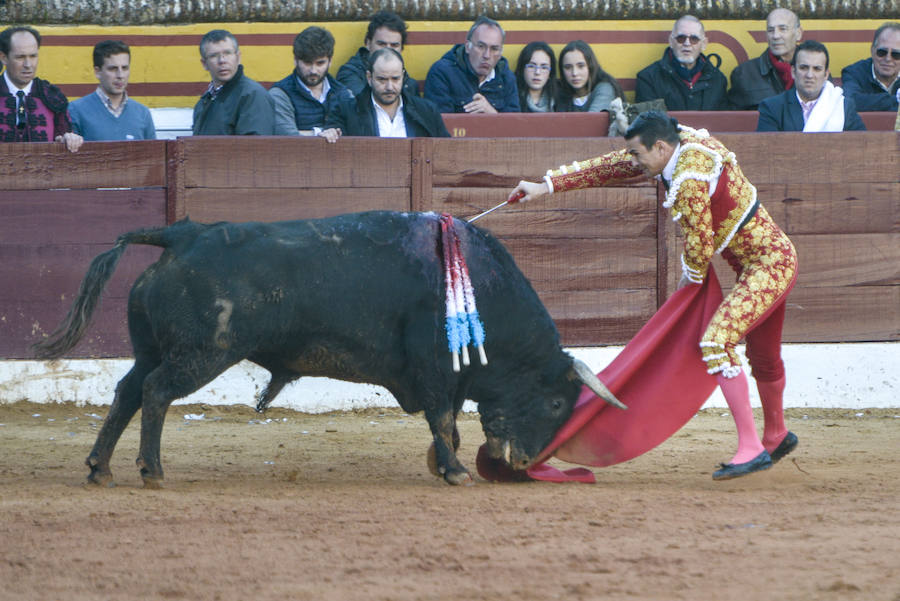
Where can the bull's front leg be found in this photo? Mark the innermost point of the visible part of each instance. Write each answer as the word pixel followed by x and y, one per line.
pixel 442 460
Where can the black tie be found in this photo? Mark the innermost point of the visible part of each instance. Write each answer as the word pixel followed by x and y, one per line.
pixel 21 117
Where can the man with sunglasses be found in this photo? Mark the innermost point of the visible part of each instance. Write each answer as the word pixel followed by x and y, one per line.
pixel 769 74
pixel 684 77
pixel 474 77
pixel 32 109
pixel 874 83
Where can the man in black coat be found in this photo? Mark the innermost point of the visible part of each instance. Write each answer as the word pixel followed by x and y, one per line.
pixel 233 104
pixel 769 74
pixel 684 78
pixel 386 30
pixel 384 108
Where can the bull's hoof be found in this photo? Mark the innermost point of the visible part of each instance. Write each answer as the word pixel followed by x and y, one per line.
pixel 463 478
pixel 99 476
pixel 153 483
pixel 104 479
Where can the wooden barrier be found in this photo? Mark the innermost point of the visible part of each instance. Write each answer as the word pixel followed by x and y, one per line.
pixel 58 210
pixel 602 260
pixel 593 125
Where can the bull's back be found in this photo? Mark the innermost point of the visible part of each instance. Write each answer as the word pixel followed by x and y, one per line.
pixel 356 270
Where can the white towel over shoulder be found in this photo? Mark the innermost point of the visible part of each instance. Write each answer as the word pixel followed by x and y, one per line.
pixel 828 114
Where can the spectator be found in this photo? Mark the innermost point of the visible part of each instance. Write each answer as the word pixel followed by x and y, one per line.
pixel 304 98
pixel 474 77
pixel 584 85
pixel 108 113
pixel 769 74
pixel 233 104
pixel 874 83
pixel 386 30
pixel 684 78
pixel 33 110
pixel 815 105
pixel 384 107
pixel 536 78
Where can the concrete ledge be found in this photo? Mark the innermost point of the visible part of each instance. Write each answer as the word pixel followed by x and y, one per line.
pixel 853 376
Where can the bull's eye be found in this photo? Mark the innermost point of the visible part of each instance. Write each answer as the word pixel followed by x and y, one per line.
pixel 556 404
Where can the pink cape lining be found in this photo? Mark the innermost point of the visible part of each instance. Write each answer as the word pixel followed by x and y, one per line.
pixel 660 375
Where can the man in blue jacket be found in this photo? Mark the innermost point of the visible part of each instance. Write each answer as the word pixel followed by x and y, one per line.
pixel 384 107
pixel 874 83
pixel 474 77
pixel 814 104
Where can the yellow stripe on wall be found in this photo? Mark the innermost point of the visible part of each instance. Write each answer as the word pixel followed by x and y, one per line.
pixel 169 54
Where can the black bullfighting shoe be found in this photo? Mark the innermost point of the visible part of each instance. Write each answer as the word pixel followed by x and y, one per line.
pixel 787 445
pixel 735 470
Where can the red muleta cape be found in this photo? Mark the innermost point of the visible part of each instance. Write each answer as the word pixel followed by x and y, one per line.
pixel 660 375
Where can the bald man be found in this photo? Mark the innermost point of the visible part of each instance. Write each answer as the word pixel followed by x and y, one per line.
pixel 769 74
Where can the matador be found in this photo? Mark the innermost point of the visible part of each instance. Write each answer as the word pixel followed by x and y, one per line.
pixel 719 213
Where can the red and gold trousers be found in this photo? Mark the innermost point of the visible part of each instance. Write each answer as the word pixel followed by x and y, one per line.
pixel 766 265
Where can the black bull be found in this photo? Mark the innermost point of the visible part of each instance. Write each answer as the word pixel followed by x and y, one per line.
pixel 356 297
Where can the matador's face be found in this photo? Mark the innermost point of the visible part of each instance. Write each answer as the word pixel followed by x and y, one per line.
pixel 654 159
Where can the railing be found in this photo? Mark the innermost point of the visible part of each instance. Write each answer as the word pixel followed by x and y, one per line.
pixel 602 260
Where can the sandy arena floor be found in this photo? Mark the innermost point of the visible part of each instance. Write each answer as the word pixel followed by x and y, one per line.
pixel 342 506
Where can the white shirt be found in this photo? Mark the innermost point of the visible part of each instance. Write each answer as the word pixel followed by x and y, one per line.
pixel 387 127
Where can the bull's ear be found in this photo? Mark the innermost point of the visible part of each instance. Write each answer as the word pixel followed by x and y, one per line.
pixel 584 373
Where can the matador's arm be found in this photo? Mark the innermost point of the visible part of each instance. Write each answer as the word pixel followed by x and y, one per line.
pixel 607 170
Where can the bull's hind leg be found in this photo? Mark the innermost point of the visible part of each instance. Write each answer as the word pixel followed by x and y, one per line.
pixel 124 405
pixel 173 379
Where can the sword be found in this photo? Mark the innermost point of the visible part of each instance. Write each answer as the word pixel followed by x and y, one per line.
pixel 514 200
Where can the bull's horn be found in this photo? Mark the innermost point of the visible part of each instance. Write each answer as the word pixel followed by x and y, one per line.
pixel 585 374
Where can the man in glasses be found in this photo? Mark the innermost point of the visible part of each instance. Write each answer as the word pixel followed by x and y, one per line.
pixel 770 73
pixel 684 77
pixel 874 83
pixel 234 104
pixel 814 104
pixel 474 77
pixel 32 109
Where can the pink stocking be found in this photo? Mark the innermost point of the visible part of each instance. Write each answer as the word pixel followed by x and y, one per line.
pixel 737 395
pixel 772 396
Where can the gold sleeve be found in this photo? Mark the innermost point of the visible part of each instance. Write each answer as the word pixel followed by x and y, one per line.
pixel 609 169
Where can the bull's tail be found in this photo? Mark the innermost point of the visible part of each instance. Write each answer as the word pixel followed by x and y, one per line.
pixel 70 331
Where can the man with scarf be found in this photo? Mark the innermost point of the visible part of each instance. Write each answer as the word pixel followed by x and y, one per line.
pixel 769 74
pixel 719 212
pixel 33 109
pixel 814 104
pixel 684 77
